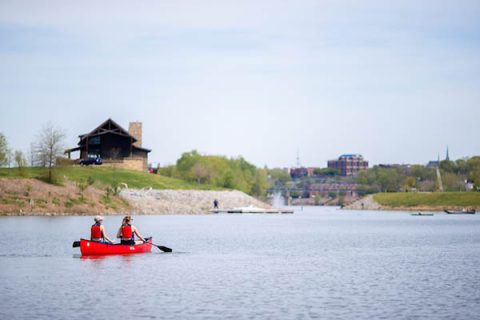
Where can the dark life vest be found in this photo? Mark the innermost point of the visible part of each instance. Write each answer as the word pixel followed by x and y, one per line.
pixel 96 232
pixel 127 232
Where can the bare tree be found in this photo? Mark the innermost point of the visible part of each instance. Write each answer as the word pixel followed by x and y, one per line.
pixel 49 146
pixel 201 172
pixel 3 150
pixel 20 161
pixel 32 156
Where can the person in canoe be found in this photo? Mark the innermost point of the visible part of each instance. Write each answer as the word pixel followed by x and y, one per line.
pixel 127 232
pixel 97 231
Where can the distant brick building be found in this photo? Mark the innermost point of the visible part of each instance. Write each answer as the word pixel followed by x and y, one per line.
pixel 301 172
pixel 349 164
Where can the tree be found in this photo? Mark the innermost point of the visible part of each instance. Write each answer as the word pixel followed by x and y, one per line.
pixel 49 146
pixel 409 183
pixel 3 150
pixel 234 173
pixel 388 179
pixel 20 161
pixel 278 177
pixel 260 184
pixel 185 164
pixel 31 154
pixel 201 172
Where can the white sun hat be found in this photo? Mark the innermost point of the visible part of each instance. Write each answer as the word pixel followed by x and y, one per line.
pixel 98 218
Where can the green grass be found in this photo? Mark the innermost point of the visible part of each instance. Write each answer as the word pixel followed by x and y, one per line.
pixel 434 199
pixel 104 176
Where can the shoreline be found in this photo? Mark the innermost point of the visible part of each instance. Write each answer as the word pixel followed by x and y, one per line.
pixel 31 197
pixel 369 203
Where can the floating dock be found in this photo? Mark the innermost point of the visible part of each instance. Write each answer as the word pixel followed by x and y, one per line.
pixel 252 209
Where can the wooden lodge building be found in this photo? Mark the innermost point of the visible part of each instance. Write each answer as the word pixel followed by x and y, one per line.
pixel 114 145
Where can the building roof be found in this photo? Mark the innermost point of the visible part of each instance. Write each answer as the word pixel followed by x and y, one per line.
pixel 108 126
pixel 72 149
pixel 351 155
pixel 433 163
pixel 142 149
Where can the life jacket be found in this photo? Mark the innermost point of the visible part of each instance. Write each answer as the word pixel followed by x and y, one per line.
pixel 127 232
pixel 96 232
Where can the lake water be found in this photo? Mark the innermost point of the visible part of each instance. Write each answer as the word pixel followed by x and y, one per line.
pixel 317 263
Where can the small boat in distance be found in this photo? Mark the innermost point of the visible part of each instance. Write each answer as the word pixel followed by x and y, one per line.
pixel 422 214
pixel 460 212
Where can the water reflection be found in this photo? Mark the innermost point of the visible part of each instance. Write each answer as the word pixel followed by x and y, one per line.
pixel 119 257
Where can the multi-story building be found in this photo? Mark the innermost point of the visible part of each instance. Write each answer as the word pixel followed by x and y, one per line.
pixel 348 164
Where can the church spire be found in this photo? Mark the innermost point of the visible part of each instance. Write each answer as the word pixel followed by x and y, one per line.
pixel 447 156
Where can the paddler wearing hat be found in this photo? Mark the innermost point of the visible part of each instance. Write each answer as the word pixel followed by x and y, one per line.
pixel 97 232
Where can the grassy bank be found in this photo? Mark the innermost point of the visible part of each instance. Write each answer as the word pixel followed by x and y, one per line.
pixel 424 199
pixel 103 176
pixel 78 190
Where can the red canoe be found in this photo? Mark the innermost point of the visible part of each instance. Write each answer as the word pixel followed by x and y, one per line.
pixel 92 248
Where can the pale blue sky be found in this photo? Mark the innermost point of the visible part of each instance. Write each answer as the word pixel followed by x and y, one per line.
pixel 393 80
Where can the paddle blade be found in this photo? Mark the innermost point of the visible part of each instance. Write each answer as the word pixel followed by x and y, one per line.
pixel 164 249
pixel 76 244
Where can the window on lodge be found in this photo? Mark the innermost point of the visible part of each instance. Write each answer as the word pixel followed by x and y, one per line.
pixel 94 141
pixel 94 155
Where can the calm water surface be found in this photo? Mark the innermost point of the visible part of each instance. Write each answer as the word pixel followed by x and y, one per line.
pixel 318 263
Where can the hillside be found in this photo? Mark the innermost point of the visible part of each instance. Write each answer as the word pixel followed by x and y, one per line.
pixel 34 197
pixel 103 177
pixel 418 201
pixel 94 190
pixel 433 199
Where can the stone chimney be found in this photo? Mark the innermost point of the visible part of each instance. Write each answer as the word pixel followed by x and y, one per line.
pixel 135 129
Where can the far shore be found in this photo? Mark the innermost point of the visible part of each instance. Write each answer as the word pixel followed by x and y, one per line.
pixel 32 197
pixel 422 202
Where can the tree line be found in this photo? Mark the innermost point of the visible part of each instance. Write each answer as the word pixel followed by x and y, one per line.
pixel 219 171
pixel 454 176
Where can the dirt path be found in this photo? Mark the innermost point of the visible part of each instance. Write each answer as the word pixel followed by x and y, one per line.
pixel 365 203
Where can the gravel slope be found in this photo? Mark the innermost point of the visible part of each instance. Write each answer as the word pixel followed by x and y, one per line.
pixel 185 201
